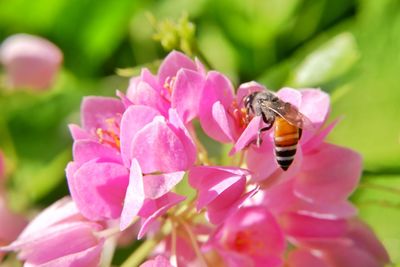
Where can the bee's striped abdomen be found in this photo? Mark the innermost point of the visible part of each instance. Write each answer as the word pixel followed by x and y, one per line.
pixel 286 137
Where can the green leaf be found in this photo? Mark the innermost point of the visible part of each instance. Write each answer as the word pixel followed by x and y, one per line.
pixel 378 200
pixel 328 62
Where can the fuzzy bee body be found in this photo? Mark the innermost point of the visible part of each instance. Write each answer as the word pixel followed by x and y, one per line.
pixel 286 118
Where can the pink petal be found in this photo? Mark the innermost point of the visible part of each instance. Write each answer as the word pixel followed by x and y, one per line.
pixel 281 199
pixel 364 238
pixel 124 99
pixel 258 223
pixel 11 224
pixel 36 249
pixel 318 138
pixel 247 88
pixel 86 258
pixel 217 213
pixel 157 185
pixel 159 261
pixel 315 105
pixel 152 209
pixel 172 64
pixel 234 187
pixel 134 197
pixel 86 150
pixel 304 258
pixel 78 133
pixel 95 110
pixel 248 136
pixel 183 134
pixel 329 175
pixel 290 95
pixel 217 88
pixel 261 161
pixel 144 94
pixel 204 176
pixel 61 211
pixel 301 226
pixel 133 120
pixel 99 189
pixel 223 120
pixel 187 92
pixel 158 148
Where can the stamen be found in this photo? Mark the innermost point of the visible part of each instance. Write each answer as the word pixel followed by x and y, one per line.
pixel 110 136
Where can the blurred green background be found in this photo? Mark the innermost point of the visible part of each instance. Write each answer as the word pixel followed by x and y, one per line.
pixel 349 48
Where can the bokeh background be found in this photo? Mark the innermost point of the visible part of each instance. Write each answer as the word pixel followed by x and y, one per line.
pixel 349 48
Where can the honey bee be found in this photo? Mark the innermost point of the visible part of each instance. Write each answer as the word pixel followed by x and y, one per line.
pixel 288 120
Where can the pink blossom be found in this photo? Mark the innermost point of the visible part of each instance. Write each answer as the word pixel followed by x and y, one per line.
pixel 159 261
pixel 125 156
pixel 357 247
pixel 178 84
pixel 221 190
pixel 160 152
pixel 59 236
pixel 30 61
pixel 11 223
pixel 250 237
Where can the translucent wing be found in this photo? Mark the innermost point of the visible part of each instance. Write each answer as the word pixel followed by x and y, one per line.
pixel 290 113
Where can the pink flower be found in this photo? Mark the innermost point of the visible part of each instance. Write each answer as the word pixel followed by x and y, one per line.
pixel 160 153
pixel 59 236
pixel 250 237
pixel 221 190
pixel 11 223
pixel 30 61
pixel 159 261
pixel 178 85
pixel 126 156
pixel 357 247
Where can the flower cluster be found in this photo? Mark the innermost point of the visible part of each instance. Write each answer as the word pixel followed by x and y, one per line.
pixel 130 153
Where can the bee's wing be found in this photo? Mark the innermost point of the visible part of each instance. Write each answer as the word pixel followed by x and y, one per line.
pixel 291 114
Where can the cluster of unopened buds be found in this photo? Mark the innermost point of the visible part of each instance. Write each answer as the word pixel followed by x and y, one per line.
pixel 281 198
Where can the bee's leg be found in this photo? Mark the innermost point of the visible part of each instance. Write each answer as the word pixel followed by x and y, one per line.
pixel 300 132
pixel 260 131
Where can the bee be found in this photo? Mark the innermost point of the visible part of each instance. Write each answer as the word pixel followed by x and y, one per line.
pixel 288 120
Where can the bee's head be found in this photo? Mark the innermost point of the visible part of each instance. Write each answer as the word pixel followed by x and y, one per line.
pixel 248 100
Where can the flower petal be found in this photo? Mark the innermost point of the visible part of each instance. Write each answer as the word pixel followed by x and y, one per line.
pixel 134 197
pixel 172 64
pixel 157 185
pixel 95 110
pixel 248 136
pixel 329 174
pixel 154 208
pixel 186 94
pixel 133 120
pixel 86 150
pixel 78 133
pixel 158 148
pixel 99 189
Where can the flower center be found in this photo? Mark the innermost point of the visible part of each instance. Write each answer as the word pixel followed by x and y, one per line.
pixel 168 87
pixel 240 115
pixel 110 135
pixel 247 242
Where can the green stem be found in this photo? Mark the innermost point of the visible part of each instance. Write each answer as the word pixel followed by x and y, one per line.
pixel 140 254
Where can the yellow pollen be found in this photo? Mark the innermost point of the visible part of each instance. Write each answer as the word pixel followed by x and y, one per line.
pixel 109 136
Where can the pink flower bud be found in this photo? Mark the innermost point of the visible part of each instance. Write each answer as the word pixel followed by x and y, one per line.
pixel 30 61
